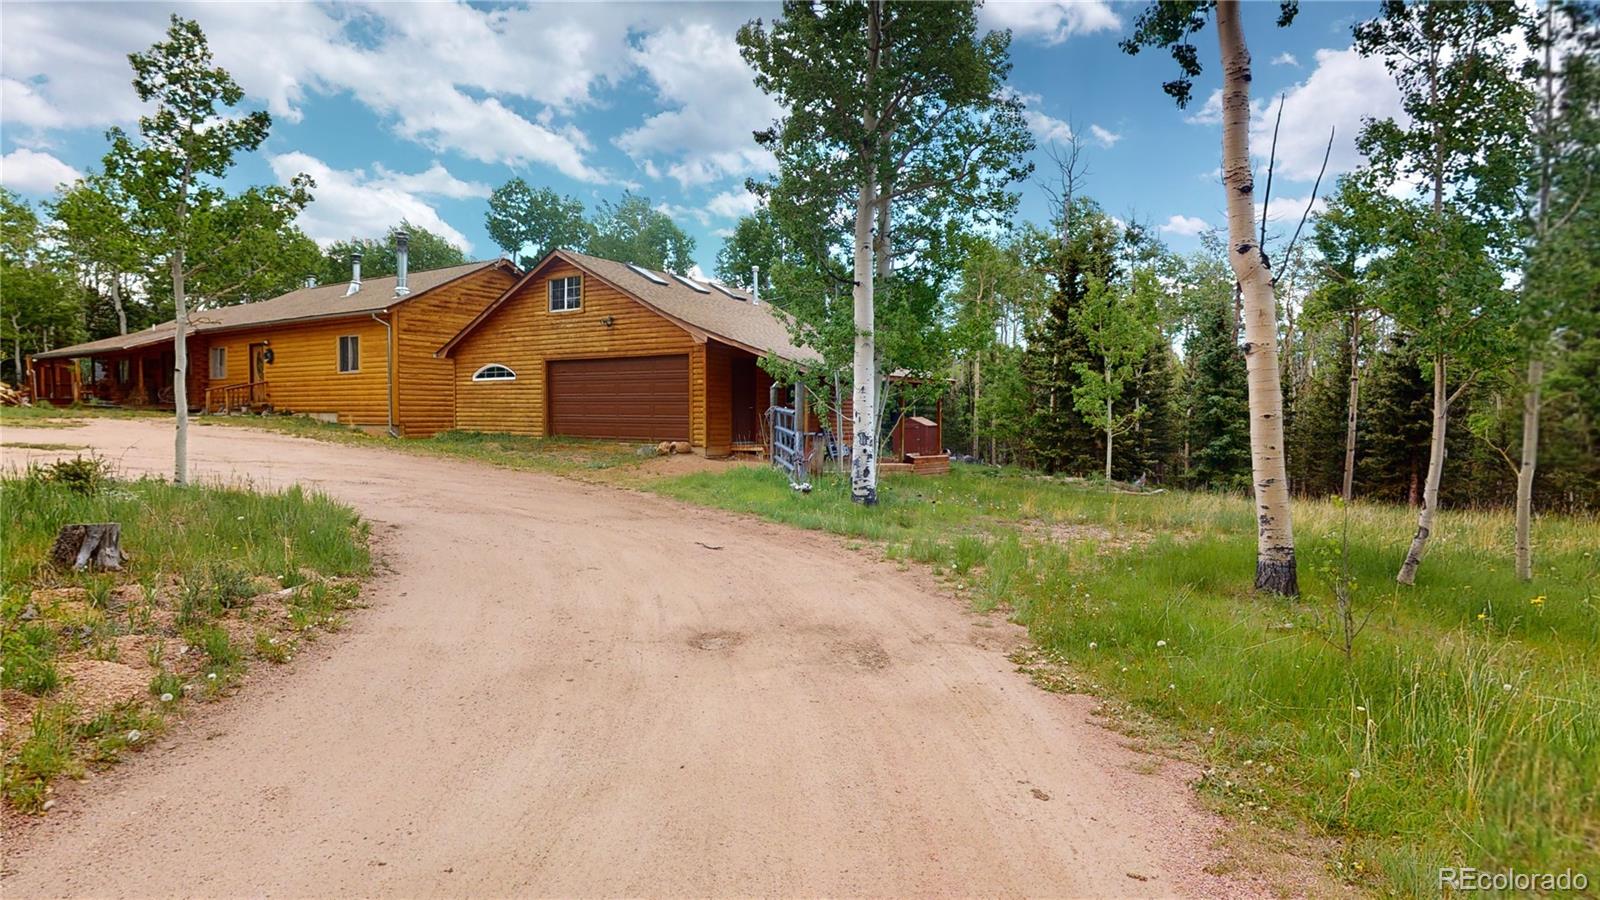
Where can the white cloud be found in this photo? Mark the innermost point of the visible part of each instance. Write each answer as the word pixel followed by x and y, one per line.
pixel 31 172
pixel 1210 113
pixel 1050 21
pixel 1285 212
pixel 1285 59
pixel 733 204
pixel 451 77
pixel 1048 129
pixel 1344 88
pixel 351 203
pixel 1104 137
pixel 712 106
pixel 1187 226
pixel 436 181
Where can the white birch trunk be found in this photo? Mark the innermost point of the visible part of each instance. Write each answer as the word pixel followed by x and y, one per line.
pixel 864 447
pixel 116 301
pixel 180 372
pixel 1275 557
pixel 1353 404
pixel 1430 487
pixel 1529 462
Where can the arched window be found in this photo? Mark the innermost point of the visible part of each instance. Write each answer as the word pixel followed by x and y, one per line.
pixel 494 372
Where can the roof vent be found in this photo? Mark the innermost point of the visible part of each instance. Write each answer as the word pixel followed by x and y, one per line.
pixel 355 273
pixel 647 274
pixel 755 285
pixel 402 246
pixel 691 284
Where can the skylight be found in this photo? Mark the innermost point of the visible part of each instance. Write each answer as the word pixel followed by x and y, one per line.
pixel 647 274
pixel 691 283
pixel 724 289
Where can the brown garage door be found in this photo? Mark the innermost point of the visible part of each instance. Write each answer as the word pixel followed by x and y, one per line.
pixel 642 398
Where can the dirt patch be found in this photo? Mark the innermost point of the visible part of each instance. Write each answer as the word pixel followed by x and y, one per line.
pixel 687 464
pixel 1098 536
pixel 867 654
pixel 95 684
pixel 716 640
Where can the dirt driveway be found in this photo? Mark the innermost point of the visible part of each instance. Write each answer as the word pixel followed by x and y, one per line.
pixel 567 689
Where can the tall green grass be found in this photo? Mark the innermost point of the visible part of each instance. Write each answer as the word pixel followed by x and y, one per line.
pixel 1464 730
pixel 176 529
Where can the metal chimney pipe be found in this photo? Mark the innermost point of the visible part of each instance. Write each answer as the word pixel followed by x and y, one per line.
pixel 755 285
pixel 355 273
pixel 402 246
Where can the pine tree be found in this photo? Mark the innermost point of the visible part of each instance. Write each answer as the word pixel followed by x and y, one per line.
pixel 1219 423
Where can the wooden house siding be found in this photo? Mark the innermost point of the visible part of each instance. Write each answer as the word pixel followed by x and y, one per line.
pixel 718 388
pixel 424 383
pixel 304 375
pixel 524 335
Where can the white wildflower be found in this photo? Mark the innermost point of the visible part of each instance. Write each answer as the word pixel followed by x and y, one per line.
pixel 133 736
pixel 1507 686
pixel 1093 645
pixel 1354 774
pixel 166 698
pixel 211 676
pixel 1161 643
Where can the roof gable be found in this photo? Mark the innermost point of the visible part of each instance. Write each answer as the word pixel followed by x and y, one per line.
pixel 723 313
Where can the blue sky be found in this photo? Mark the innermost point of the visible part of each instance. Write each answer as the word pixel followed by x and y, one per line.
pixel 418 110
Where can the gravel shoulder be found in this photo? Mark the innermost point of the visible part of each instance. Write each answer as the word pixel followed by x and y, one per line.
pixel 570 689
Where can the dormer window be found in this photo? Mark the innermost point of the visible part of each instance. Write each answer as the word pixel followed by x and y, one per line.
pixel 566 294
pixel 494 372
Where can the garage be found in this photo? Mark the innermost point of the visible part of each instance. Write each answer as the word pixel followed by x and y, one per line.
pixel 644 398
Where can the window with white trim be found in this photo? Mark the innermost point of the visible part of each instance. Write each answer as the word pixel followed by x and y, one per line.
pixel 350 353
pixel 566 294
pixel 219 362
pixel 494 372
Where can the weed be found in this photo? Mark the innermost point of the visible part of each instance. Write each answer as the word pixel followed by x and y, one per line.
pixel 166 686
pixel 128 725
pixel 47 753
pixel 29 664
pixel 274 649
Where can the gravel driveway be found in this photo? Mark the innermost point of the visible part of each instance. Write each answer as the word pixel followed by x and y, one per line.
pixel 570 689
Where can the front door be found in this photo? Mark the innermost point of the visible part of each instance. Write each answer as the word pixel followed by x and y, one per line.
pixel 258 373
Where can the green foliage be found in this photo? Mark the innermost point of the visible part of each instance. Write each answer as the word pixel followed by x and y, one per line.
pixel 1172 25
pixel 1217 402
pixel 528 223
pixel 85 475
pixel 41 304
pixel 425 250
pixel 632 230
pixel 755 242
pixel 172 174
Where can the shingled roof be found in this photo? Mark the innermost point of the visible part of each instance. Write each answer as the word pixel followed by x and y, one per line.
pixel 324 301
pixel 727 314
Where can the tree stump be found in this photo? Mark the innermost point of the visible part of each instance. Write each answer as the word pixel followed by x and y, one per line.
pixel 97 546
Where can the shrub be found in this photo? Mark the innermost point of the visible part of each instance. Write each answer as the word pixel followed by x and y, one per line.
pixel 85 475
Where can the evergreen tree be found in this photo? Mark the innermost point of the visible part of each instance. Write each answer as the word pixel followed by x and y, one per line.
pixel 1219 423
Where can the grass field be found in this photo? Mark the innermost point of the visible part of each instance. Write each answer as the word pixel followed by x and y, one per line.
pixel 1464 729
pixel 95 662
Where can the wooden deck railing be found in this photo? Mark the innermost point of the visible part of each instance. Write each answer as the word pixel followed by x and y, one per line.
pixel 235 396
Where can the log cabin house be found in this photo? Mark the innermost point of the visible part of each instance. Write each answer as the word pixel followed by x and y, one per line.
pixel 360 353
pixel 590 347
pixel 578 346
